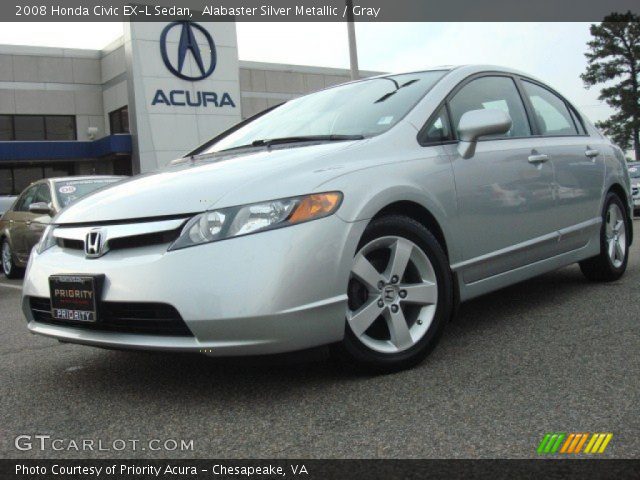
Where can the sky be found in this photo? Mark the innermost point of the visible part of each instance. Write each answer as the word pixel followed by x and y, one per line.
pixel 553 52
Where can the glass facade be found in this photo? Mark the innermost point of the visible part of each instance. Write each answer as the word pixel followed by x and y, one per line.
pixel 15 179
pixel 37 127
pixel 119 120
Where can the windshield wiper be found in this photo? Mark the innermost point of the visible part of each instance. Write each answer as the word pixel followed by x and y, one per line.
pixel 398 87
pixel 267 142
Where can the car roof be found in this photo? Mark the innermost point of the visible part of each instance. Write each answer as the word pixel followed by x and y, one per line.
pixel 470 69
pixel 464 70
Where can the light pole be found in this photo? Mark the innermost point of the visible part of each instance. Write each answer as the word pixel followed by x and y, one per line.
pixel 353 50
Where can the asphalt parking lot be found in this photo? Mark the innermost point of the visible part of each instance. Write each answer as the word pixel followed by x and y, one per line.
pixel 554 354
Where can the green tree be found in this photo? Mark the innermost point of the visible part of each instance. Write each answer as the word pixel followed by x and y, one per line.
pixel 614 60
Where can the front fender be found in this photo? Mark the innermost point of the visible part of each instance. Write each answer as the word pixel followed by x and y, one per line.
pixel 427 182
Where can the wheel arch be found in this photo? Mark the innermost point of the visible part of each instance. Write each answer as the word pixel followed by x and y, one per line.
pixel 621 192
pixel 420 214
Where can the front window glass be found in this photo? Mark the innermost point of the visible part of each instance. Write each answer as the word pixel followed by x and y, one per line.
pixel 366 108
pixel 26 199
pixel 438 130
pixel 69 191
pixel 498 93
pixel 43 194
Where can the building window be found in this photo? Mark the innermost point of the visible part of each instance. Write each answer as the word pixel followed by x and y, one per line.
pixel 60 127
pixel 119 120
pixel 13 180
pixel 6 181
pixel 6 127
pixel 29 127
pixel 37 127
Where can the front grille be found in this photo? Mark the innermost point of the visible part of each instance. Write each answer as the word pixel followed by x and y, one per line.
pixel 72 244
pixel 119 243
pixel 121 317
pixel 144 240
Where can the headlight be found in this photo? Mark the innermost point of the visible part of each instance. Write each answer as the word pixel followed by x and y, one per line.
pixel 246 219
pixel 47 241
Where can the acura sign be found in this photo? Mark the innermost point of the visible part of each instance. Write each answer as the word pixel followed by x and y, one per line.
pixel 188 43
pixel 204 59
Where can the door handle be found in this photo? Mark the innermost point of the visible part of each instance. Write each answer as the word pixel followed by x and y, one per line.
pixel 590 152
pixel 538 158
pixel 28 222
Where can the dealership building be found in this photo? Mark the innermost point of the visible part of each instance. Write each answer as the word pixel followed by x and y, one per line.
pixel 147 98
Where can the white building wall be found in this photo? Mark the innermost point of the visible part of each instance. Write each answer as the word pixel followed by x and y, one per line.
pixel 52 81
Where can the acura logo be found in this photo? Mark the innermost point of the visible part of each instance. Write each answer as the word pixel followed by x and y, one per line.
pixel 188 44
pixel 94 243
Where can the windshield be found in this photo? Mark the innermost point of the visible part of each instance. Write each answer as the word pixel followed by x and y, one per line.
pixel 634 171
pixel 364 108
pixel 68 191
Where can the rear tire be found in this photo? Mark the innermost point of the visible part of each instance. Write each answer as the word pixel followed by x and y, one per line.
pixel 400 296
pixel 610 264
pixel 9 267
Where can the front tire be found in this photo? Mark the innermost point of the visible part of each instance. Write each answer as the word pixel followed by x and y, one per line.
pixel 400 296
pixel 611 263
pixel 9 267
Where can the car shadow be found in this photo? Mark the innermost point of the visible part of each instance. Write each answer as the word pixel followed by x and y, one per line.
pixel 279 375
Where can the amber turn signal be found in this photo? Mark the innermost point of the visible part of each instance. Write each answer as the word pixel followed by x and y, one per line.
pixel 316 206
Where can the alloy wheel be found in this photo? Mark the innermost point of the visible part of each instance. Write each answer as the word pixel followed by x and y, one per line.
pixel 393 294
pixel 615 234
pixel 6 258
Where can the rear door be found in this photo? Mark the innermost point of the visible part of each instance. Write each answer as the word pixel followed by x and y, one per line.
pixel 577 161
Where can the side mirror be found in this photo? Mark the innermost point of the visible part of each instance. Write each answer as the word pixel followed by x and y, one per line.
pixel 477 123
pixel 41 208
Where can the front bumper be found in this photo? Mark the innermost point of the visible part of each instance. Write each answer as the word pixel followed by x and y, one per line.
pixel 275 291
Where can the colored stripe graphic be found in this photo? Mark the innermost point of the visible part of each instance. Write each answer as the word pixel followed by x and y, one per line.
pixel 574 442
pixel 581 442
pixel 598 443
pixel 550 443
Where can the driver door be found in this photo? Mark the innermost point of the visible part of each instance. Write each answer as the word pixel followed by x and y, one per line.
pixel 505 197
pixel 19 228
pixel 36 223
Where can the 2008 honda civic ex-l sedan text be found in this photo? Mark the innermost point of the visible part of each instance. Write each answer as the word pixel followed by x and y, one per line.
pixel 357 216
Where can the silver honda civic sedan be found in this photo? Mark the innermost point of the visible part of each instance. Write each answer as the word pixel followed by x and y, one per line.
pixel 358 216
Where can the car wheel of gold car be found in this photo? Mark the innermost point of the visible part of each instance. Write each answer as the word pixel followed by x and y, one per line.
pixel 9 268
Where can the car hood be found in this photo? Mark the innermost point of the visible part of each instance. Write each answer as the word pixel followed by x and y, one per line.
pixel 227 180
